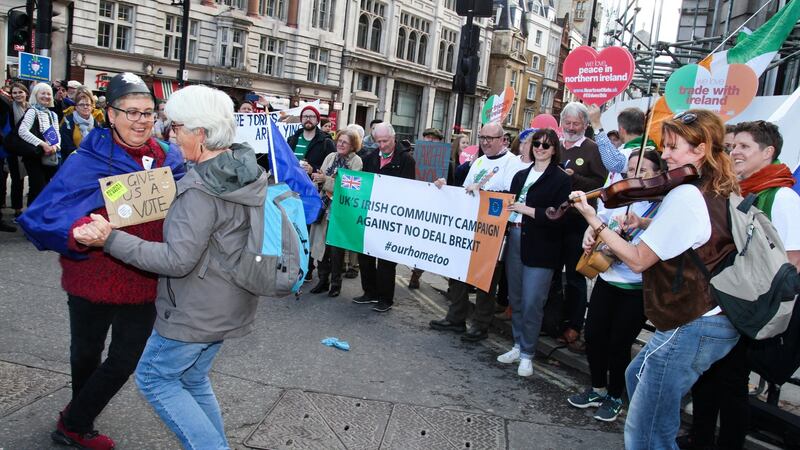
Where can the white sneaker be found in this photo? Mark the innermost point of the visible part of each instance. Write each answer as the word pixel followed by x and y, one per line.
pixel 525 368
pixel 510 356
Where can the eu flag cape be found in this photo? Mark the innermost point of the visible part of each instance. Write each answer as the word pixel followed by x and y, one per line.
pixel 285 168
pixel 74 192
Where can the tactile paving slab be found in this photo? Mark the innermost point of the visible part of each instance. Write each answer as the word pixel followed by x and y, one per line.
pixel 22 385
pixel 310 420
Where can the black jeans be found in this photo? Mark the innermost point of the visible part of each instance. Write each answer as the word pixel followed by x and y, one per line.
pixel 331 266
pixel 460 307
pixel 95 383
pixel 38 176
pixel 377 277
pixel 16 182
pixel 616 316
pixel 575 292
pixel 722 389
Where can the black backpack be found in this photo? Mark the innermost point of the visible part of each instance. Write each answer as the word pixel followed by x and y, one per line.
pixel 776 359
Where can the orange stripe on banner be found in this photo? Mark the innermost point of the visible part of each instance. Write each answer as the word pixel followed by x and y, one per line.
pixel 484 256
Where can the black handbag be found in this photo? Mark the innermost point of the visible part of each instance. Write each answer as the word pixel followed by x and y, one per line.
pixel 17 146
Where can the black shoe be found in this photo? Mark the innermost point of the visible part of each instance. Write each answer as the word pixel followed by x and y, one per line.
pixel 335 291
pixel 365 299
pixel 446 325
pixel 309 275
pixel 382 307
pixel 351 273
pixel 321 286
pixel 7 228
pixel 475 335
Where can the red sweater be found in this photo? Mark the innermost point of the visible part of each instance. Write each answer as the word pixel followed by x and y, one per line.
pixel 103 279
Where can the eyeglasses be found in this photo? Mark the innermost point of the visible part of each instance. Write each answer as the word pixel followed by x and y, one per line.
pixel 307 117
pixel 488 138
pixel 686 117
pixel 540 144
pixel 84 105
pixel 133 114
pixel 175 126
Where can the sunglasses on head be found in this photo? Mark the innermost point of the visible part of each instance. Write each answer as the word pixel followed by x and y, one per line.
pixel 686 117
pixel 540 144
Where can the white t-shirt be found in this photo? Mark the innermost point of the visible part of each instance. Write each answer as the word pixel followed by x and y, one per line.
pixel 619 272
pixel 533 176
pixel 497 172
pixel 682 222
pixel 785 214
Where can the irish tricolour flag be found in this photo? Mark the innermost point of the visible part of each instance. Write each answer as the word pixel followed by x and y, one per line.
pixel 444 231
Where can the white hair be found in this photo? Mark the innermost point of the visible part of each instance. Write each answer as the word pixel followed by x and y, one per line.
pixel 386 126
pixel 35 92
pixel 199 106
pixel 357 128
pixel 576 109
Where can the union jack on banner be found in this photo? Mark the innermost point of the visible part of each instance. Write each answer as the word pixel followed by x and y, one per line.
pixel 351 182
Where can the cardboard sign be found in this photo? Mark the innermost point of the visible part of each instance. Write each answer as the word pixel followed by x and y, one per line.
pixel 728 91
pixel 497 106
pixel 433 159
pixel 138 197
pixel 596 77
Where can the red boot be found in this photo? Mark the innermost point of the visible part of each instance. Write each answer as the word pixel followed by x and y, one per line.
pixel 89 441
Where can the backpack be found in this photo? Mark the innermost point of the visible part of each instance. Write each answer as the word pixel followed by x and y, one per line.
pixel 776 359
pixel 273 263
pixel 756 285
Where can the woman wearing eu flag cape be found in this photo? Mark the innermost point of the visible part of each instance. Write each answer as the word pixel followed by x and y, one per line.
pixel 103 292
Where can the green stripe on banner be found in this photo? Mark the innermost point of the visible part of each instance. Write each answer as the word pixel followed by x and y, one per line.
pixel 351 194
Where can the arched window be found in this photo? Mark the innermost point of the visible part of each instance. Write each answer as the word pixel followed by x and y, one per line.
pixel 412 47
pixel 401 43
pixel 450 55
pixel 442 51
pixel 375 37
pixel 423 49
pixel 361 37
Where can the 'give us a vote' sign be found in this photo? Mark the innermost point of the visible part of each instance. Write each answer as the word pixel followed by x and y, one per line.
pixel 138 197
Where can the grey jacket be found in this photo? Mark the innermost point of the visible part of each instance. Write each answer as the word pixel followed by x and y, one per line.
pixel 204 232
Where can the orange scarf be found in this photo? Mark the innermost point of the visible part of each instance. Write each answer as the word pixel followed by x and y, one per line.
pixel 774 175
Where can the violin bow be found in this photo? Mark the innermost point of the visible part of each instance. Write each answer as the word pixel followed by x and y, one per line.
pixel 641 152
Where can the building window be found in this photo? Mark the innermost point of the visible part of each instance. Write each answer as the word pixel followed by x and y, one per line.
pixel 447 49
pixel 441 102
pixel 526 121
pixel 532 86
pixel 450 4
pixel 580 10
pixel 322 14
pixel 115 25
pixel 194 35
pixel 366 82
pixel 238 4
pixel 231 47
pixel 318 65
pixel 511 113
pixel 370 25
pixel 513 82
pixel 467 112
pixel 406 107
pixel 535 63
pixel 270 56
pixel 412 40
pixel 173 38
pixel 273 8
pixel 539 38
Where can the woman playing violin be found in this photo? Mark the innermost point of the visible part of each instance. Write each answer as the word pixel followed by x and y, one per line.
pixel 616 312
pixel 691 334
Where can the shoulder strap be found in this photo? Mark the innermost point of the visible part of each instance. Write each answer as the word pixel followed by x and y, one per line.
pixel 164 145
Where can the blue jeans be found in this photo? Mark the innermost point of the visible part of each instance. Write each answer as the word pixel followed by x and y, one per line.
pixel 528 288
pixel 664 371
pixel 173 377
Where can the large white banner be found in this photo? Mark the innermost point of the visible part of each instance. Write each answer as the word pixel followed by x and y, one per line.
pixel 253 129
pixel 444 231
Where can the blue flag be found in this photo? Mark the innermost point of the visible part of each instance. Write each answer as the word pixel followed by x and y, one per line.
pixel 74 192
pixel 286 169
pixel 796 175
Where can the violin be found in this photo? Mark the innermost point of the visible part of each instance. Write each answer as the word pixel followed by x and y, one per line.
pixel 632 190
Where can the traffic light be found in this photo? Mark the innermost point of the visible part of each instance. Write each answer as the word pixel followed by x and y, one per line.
pixel 18 36
pixel 479 8
pixel 465 79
